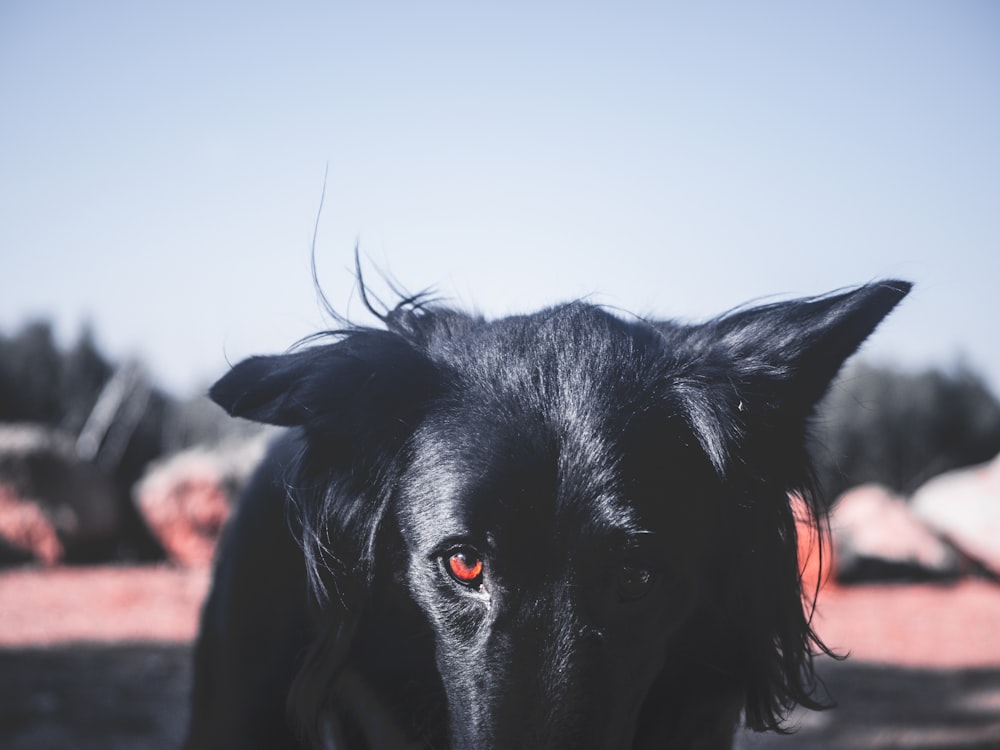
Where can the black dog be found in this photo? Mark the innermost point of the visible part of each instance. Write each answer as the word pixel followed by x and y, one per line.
pixel 558 530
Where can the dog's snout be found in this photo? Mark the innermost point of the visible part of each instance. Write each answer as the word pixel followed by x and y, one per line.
pixel 553 688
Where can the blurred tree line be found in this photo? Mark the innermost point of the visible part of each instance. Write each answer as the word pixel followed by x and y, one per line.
pixel 899 428
pixel 877 424
pixel 41 383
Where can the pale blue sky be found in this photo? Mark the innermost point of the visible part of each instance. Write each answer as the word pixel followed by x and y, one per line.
pixel 161 164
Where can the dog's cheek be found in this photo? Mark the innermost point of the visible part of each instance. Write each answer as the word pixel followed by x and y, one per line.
pixel 452 614
pixel 637 646
pixel 460 622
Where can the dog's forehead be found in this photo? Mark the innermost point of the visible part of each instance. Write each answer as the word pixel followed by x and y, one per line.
pixel 533 430
pixel 571 364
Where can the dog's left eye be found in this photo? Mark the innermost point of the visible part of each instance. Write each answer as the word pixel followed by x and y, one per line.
pixel 634 582
pixel 466 567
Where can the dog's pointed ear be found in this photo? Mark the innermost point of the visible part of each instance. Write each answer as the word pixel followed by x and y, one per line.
pixel 766 368
pixel 748 383
pixel 367 385
pixel 791 351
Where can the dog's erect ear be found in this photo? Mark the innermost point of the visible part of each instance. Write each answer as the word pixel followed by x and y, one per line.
pixel 365 384
pixel 768 366
pixel 753 381
pixel 793 350
pixel 355 401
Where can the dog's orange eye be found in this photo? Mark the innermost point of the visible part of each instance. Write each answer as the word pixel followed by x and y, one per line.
pixel 466 567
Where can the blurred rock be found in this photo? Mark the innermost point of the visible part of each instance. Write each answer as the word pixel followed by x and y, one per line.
pixel 185 499
pixel 899 428
pixel 964 506
pixel 876 537
pixel 53 505
pixel 26 535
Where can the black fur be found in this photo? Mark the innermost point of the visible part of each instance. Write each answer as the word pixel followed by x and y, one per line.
pixel 624 485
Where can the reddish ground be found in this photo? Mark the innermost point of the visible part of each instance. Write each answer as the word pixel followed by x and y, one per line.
pixel 99 657
pixel 925 625
pixel 47 606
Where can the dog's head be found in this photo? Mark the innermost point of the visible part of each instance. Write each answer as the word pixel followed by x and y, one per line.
pixel 591 514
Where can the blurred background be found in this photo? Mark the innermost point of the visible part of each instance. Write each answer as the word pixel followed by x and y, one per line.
pixel 162 170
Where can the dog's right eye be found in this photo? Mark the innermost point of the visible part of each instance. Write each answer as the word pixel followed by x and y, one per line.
pixel 634 582
pixel 465 566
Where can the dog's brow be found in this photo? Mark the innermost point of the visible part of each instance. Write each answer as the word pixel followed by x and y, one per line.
pixel 611 515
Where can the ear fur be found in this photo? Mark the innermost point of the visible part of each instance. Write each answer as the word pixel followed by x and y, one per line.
pixel 794 349
pixel 356 401
pixel 749 382
pixel 338 389
pixel 772 364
